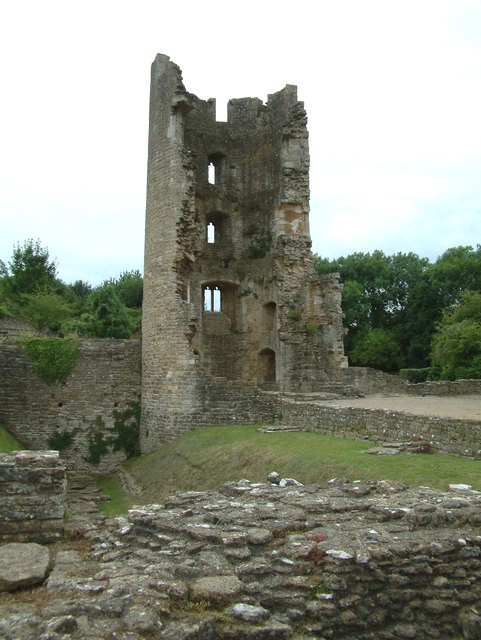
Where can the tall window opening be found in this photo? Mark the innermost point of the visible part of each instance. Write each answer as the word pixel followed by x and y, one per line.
pixel 217 228
pixel 211 233
pixel 269 317
pixel 216 169
pixel 211 173
pixel 212 299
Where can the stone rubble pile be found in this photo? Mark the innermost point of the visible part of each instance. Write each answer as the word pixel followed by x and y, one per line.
pixel 255 561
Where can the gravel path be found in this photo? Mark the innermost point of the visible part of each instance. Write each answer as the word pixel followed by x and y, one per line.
pixel 461 407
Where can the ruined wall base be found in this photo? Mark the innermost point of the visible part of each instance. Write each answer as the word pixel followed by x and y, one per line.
pixel 450 435
pixel 345 561
pixel 33 489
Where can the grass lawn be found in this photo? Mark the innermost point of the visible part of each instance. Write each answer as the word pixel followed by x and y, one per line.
pixel 120 501
pixel 210 456
pixel 8 443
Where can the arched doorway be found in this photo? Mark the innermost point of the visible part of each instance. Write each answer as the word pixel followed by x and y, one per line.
pixel 266 370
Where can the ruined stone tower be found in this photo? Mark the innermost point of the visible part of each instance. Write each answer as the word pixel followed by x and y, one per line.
pixel 230 293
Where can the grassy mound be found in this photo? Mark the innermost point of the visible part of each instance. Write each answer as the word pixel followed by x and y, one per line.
pixel 208 457
pixel 8 443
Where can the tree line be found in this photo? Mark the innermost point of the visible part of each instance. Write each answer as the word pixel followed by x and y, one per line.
pixel 31 289
pixel 402 312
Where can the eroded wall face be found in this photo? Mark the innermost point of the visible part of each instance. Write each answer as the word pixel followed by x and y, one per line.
pixel 230 289
pixel 169 369
pixel 33 496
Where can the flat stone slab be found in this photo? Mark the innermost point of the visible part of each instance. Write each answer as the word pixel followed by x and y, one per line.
pixel 216 588
pixel 23 565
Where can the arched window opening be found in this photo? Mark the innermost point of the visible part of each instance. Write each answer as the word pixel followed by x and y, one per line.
pixel 217 229
pixel 211 173
pixel 216 168
pixel 212 299
pixel 211 234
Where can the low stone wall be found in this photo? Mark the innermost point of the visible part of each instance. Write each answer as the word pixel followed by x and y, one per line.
pixel 462 437
pixel 32 496
pixel 444 388
pixel 368 381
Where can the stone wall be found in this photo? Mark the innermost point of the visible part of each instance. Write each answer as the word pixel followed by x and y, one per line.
pixel 444 388
pixel 32 496
pixel 104 384
pixel 367 381
pixel 450 435
pixel 254 561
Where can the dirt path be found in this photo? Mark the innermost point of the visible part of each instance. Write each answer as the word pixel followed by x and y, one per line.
pixel 461 407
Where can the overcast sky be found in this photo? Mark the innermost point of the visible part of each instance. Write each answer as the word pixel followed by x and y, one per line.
pixel 392 90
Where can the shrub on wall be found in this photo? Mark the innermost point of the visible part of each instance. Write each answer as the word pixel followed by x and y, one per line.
pixel 127 429
pixel 419 375
pixel 53 359
pixel 61 440
pixel 98 447
pixel 124 436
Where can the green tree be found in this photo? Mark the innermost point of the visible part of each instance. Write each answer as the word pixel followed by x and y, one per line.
pixel 377 348
pixel 30 270
pixel 457 350
pixel 458 269
pixel 380 293
pixel 108 316
pixel 129 286
pixel 469 308
pixel 45 310
pixel 423 310
pixel 456 347
pixel 77 294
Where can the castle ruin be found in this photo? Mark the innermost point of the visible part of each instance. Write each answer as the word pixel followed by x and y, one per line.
pixel 230 290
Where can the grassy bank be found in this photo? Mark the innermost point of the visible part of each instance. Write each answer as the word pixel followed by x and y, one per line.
pixel 208 457
pixel 8 443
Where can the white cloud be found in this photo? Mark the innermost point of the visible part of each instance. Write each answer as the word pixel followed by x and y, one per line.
pixel 392 91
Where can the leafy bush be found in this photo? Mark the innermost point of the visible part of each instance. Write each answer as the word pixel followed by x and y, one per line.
pixel 418 375
pixel 378 349
pixel 259 247
pixel 29 270
pixel 108 316
pixel 61 440
pixel 4 311
pixel 53 359
pixel 127 430
pixel 98 447
pixel 457 350
pixel 45 310
pixel 124 436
